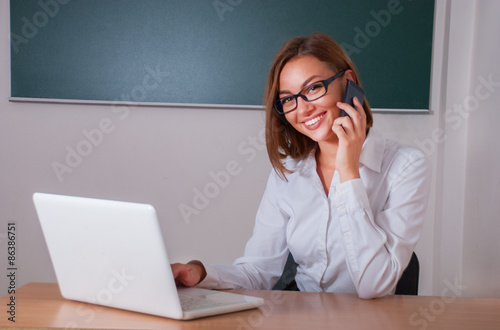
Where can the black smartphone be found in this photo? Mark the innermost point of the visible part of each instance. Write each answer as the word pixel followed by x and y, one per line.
pixel 352 90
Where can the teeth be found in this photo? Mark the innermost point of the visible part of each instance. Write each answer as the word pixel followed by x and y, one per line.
pixel 313 121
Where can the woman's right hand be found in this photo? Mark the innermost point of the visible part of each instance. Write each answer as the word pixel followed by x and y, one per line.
pixel 188 274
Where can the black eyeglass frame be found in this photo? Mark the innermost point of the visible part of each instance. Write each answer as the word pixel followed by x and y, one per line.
pixel 279 107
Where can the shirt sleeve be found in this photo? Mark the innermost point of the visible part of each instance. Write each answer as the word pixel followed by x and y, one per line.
pixel 378 247
pixel 265 253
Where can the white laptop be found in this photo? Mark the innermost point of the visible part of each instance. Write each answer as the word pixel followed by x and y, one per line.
pixel 112 253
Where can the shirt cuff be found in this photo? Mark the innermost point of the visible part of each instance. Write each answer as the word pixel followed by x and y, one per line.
pixel 210 281
pixel 213 279
pixel 350 197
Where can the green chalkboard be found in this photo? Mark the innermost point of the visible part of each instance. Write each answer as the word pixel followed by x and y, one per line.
pixel 210 51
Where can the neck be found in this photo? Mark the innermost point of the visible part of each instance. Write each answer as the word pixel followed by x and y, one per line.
pixel 326 153
pixel 325 163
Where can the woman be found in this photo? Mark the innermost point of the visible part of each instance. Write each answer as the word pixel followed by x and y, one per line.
pixel 345 202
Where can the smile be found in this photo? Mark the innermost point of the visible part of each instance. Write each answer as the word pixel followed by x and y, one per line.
pixel 314 120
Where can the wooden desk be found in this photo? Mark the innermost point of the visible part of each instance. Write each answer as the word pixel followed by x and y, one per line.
pixel 41 305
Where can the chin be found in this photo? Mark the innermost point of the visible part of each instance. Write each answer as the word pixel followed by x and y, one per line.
pixel 322 137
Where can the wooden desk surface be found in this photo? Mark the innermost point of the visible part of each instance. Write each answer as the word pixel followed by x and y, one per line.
pixel 40 305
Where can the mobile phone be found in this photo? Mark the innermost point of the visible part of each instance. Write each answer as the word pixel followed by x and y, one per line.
pixel 352 90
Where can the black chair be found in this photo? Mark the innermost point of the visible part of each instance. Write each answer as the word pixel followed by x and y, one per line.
pixel 287 279
pixel 407 284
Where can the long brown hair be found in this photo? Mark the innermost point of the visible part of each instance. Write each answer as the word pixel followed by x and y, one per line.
pixel 282 139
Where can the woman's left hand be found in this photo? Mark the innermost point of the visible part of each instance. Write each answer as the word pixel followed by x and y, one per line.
pixel 351 133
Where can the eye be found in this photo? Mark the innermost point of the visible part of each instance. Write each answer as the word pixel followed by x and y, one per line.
pixel 286 100
pixel 314 88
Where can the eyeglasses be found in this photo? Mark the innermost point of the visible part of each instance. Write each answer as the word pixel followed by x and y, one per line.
pixel 309 93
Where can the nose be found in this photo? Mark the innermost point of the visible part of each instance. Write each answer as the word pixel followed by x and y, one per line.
pixel 303 106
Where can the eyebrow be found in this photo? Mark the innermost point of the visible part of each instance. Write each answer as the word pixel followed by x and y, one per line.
pixel 304 84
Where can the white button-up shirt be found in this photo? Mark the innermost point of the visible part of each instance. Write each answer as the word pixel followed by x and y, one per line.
pixel 359 238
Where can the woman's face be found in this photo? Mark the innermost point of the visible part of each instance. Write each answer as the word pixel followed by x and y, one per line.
pixel 315 118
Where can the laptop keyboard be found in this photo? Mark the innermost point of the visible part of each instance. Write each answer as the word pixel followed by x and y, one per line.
pixel 190 303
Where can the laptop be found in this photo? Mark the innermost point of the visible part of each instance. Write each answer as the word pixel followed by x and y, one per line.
pixel 112 253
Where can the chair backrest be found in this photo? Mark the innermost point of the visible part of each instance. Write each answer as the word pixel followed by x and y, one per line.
pixel 287 279
pixel 407 284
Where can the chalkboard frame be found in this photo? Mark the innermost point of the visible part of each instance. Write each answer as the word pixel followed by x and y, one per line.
pixel 37 20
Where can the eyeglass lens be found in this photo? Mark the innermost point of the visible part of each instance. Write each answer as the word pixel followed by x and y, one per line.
pixel 309 93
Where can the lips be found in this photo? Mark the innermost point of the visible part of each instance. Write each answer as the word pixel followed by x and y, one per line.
pixel 314 120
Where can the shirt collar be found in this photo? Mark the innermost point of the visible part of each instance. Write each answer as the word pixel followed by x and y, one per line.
pixel 371 156
pixel 372 153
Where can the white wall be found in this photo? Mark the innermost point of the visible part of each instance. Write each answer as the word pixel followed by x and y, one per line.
pixel 466 242
pixel 481 243
pixel 451 153
pixel 159 155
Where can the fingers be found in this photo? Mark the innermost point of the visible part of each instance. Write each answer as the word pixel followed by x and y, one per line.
pixel 351 132
pixel 355 124
pixel 359 108
pixel 356 111
pixel 178 273
pixel 188 274
pixel 339 127
pixel 183 275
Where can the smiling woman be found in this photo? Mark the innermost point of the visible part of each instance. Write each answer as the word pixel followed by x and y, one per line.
pixel 301 61
pixel 320 120
pixel 347 203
